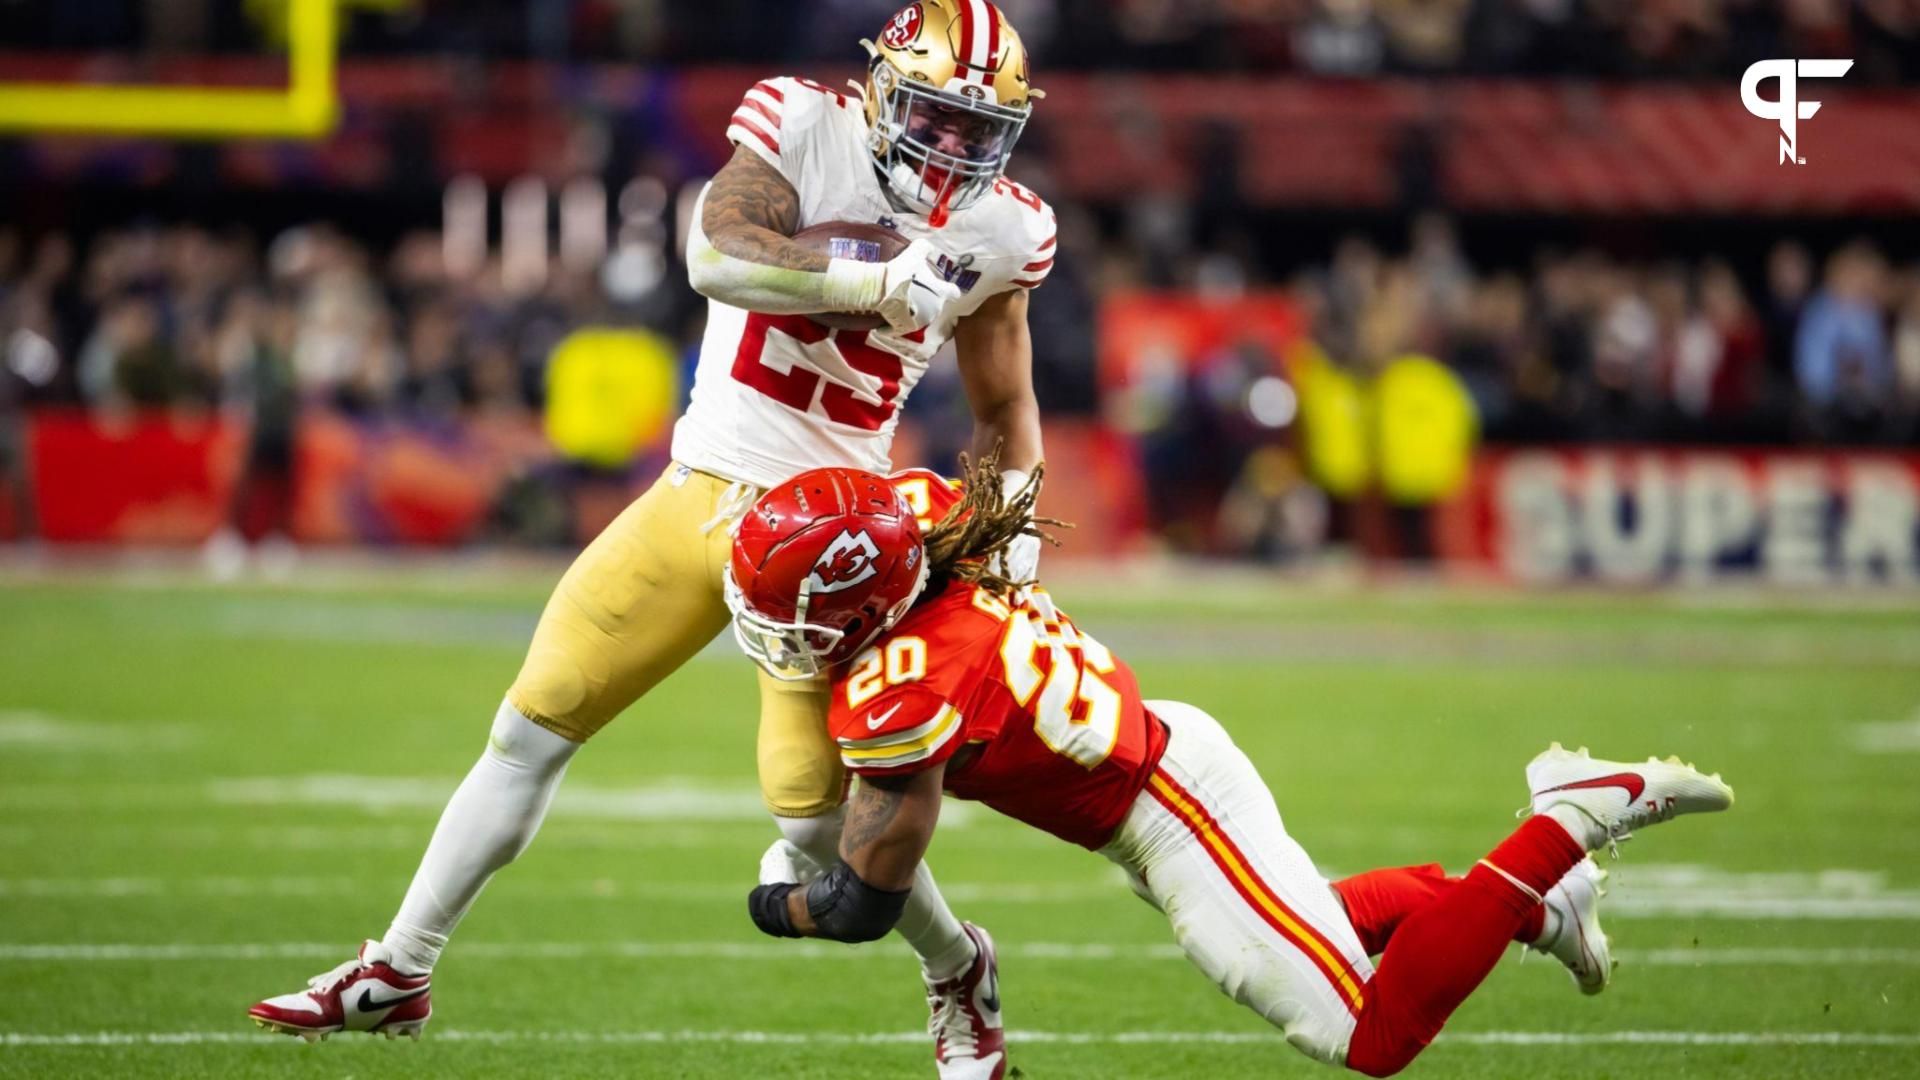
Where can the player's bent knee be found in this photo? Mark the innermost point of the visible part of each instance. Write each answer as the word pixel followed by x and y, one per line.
pixel 522 743
pixel 551 690
pixel 795 782
pixel 818 834
pixel 1383 1066
pixel 1377 1052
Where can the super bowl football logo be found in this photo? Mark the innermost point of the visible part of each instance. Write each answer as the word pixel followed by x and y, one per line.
pixel 1788 109
pixel 847 562
pixel 903 29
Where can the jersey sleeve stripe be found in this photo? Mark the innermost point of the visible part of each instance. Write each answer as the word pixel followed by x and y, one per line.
pixel 744 124
pixel 770 90
pixel 1040 264
pixel 1027 284
pixel 913 734
pixel 898 749
pixel 754 103
pixel 1047 244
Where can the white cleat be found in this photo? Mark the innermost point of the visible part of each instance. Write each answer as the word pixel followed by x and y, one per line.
pixel 363 994
pixel 970 1039
pixel 1620 797
pixel 1579 943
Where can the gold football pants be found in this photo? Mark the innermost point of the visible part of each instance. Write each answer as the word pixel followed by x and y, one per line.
pixel 640 601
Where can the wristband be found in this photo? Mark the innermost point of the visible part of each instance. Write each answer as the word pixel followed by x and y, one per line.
pixel 853 285
pixel 767 906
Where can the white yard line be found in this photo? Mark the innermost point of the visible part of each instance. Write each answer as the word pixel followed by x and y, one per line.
pixel 671 799
pixel 29 729
pixel 1889 737
pixel 111 888
pixel 1641 891
pixel 62 952
pixel 1071 1038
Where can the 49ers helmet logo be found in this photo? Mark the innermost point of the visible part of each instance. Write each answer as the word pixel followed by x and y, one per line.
pixel 847 562
pixel 903 28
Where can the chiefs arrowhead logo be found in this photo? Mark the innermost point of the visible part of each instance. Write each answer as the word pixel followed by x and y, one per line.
pixel 847 562
pixel 904 27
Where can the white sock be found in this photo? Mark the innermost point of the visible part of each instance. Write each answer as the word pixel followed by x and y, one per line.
pixel 933 930
pixel 1580 825
pixel 927 924
pixel 491 818
pixel 1549 925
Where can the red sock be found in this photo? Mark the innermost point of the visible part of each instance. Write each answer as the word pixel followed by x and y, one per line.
pixel 1378 901
pixel 1441 952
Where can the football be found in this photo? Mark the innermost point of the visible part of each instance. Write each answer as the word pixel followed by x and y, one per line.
pixel 851 240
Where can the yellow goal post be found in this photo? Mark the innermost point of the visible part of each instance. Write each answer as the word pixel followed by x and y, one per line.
pixel 306 108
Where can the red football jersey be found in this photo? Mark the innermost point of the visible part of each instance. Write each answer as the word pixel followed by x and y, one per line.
pixel 1036 719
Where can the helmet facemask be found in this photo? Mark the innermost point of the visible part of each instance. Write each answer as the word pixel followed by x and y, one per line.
pixel 795 650
pixel 934 149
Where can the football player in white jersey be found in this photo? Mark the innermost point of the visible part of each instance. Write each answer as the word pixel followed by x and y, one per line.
pixel 920 148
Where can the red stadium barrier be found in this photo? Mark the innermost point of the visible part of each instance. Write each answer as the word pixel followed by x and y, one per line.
pixel 1647 515
pixel 158 478
pixel 1499 145
pixel 137 478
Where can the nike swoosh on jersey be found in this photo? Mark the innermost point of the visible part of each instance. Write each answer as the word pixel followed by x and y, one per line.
pixel 875 723
pixel 1633 782
pixel 367 1004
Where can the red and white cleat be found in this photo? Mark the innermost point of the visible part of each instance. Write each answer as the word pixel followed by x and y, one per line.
pixel 1620 797
pixel 1578 942
pixel 970 1042
pixel 363 994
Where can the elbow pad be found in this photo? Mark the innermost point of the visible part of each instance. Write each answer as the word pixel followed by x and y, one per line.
pixel 847 284
pixel 848 909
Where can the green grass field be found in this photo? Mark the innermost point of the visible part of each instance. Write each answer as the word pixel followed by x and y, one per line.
pixel 208 795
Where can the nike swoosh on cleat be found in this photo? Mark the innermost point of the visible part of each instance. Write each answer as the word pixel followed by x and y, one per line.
pixel 1633 782
pixel 874 723
pixel 366 1004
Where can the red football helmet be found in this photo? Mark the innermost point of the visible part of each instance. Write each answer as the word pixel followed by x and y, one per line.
pixel 822 564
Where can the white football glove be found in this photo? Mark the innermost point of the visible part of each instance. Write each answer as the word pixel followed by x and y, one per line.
pixel 1022 560
pixel 912 292
pixel 785 864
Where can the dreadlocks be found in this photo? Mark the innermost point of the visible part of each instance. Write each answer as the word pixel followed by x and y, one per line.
pixel 981 525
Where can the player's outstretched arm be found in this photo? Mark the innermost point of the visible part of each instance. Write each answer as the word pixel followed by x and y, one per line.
pixel 890 822
pixel 995 353
pixel 740 252
pixel 996 367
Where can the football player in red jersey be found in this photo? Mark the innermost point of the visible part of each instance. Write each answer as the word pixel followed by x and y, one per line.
pixel 947 676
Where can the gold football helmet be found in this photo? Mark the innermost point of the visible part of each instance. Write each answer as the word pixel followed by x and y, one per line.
pixel 947 96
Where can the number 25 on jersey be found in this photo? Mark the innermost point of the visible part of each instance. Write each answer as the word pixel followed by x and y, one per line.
pixel 799 387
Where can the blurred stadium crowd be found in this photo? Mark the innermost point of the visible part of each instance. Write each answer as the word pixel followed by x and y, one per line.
pixel 1667 38
pixel 265 283
pixel 1579 346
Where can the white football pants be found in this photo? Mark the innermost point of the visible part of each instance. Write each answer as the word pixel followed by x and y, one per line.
pixel 1204 843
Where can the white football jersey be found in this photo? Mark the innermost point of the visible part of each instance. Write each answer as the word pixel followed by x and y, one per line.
pixel 779 394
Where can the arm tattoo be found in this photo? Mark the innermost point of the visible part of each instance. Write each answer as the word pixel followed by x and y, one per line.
pixel 751 211
pixel 867 819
